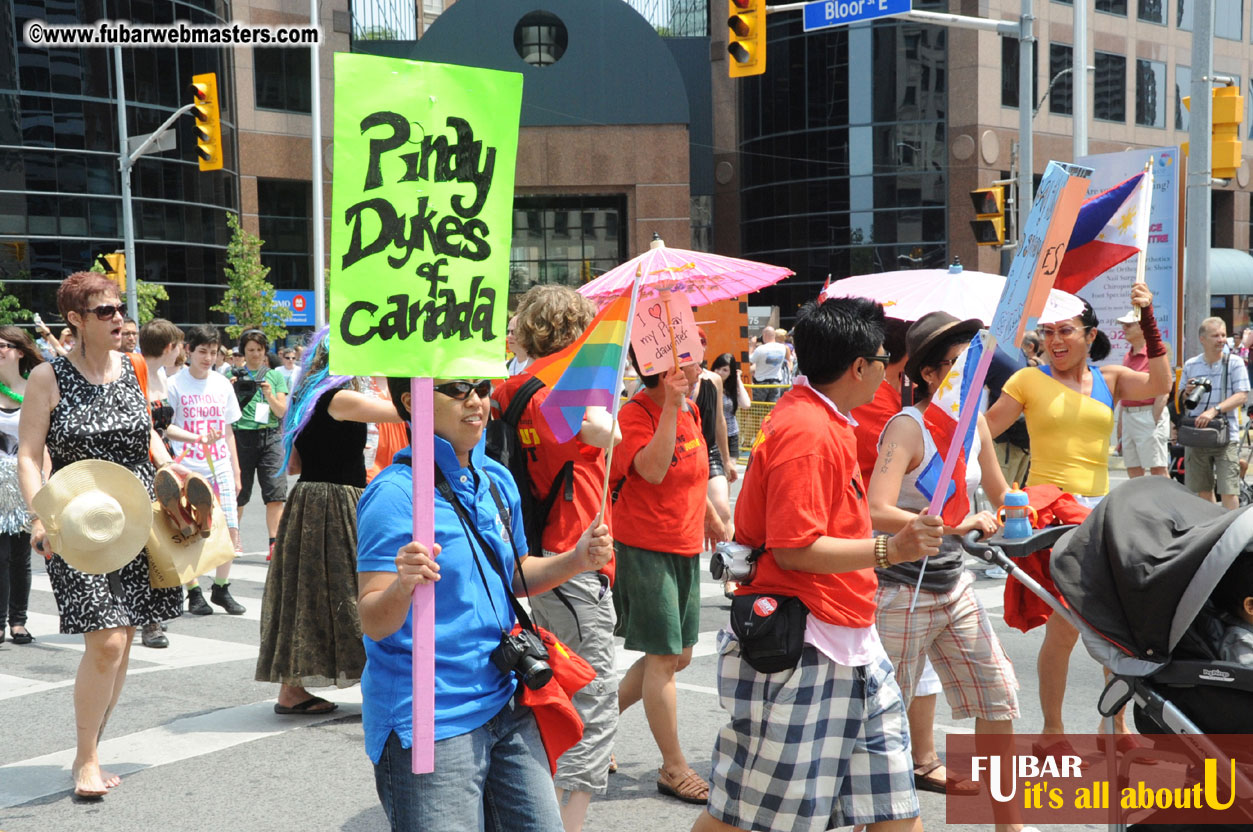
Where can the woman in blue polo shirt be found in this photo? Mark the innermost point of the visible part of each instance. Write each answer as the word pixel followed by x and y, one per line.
pixel 489 762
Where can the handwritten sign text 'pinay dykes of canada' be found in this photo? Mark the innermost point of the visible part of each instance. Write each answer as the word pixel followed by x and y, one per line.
pixel 421 217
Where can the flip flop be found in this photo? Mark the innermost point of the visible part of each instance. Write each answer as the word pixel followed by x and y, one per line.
pixel 690 788
pixel 200 501
pixel 309 707
pixel 923 781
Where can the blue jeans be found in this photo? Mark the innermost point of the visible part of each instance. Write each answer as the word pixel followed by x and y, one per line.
pixel 496 777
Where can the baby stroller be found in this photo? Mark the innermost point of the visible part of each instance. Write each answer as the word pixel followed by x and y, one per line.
pixel 1136 577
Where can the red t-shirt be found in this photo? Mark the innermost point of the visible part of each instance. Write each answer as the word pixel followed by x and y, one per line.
pixel 1138 361
pixel 803 484
pixel 669 516
pixel 871 419
pixel 545 458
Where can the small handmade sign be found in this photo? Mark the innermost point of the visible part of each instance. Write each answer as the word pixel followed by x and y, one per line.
pixel 664 327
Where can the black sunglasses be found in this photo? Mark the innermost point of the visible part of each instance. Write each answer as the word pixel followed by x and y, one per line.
pixel 460 390
pixel 106 311
pixel 882 359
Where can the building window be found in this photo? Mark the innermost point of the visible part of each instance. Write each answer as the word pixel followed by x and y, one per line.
pixel 1109 100
pixel 1229 19
pixel 1009 73
pixel 1118 7
pixel 1061 99
pixel 540 38
pixel 565 240
pixel 281 79
pixel 1153 11
pixel 1183 15
pixel 1183 88
pixel 283 215
pixel 1150 93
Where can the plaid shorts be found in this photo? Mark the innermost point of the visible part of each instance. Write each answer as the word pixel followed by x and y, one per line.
pixel 955 632
pixel 813 748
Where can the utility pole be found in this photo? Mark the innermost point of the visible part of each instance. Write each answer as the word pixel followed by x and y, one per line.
pixel 1196 306
pixel 1079 80
pixel 1026 111
pixel 319 257
pixel 128 213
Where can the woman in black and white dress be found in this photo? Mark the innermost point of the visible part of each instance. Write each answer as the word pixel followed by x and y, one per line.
pixel 89 405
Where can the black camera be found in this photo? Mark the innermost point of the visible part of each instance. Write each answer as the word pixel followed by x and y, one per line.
pixel 245 385
pixel 524 654
pixel 1202 386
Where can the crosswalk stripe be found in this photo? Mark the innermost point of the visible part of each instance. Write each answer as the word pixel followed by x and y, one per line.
pixel 179 739
pixel 184 650
pixel 252 604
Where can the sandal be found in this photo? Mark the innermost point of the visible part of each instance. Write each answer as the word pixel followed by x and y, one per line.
pixel 925 781
pixel 613 764
pixel 690 787
pixel 309 707
pixel 1060 748
pixel 200 503
pixel 169 494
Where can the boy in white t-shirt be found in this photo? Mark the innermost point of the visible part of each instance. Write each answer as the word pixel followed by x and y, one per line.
pixel 204 406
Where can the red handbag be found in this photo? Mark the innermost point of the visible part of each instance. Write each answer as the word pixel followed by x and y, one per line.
pixel 560 726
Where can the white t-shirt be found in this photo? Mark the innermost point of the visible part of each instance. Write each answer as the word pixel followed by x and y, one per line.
pixel 201 405
pixel 768 362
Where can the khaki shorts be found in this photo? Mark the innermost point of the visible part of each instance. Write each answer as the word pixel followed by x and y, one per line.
pixel 1205 467
pixel 1144 441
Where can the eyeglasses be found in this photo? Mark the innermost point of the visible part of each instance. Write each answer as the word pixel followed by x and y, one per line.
pixel 1063 331
pixel 460 390
pixel 5 345
pixel 106 311
pixel 882 359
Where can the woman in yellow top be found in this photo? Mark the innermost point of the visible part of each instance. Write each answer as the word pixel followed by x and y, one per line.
pixel 1069 406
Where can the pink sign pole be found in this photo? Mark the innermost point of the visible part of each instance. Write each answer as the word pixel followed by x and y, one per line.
pixel 422 442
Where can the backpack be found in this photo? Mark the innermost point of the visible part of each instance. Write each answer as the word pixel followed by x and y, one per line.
pixel 505 446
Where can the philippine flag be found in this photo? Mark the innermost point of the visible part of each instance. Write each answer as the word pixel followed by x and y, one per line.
pixel 941 418
pixel 1112 227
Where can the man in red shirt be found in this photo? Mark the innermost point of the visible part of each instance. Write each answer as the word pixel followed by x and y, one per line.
pixel 804 503
pixel 662 519
pixel 1144 424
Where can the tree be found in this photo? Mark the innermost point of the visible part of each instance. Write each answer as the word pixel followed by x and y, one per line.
pixel 249 296
pixel 147 295
pixel 11 310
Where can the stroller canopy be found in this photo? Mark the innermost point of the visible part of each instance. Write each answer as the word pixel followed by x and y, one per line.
pixel 1141 566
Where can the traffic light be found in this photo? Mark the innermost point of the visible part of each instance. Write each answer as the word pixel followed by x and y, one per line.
pixel 989 221
pixel 208 120
pixel 746 37
pixel 115 268
pixel 1228 116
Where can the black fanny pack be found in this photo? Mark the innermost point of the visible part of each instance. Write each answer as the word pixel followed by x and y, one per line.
pixel 770 629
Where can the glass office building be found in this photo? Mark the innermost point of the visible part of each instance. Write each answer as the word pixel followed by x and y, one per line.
pixel 842 147
pixel 60 188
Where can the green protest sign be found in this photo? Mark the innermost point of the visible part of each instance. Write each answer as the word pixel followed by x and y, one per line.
pixel 421 217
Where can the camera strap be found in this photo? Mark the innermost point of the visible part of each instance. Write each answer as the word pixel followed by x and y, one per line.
pixel 473 535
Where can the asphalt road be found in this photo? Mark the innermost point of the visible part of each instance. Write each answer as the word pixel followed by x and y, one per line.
pixel 200 748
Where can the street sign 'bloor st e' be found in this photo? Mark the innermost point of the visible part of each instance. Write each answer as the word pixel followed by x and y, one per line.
pixel 827 13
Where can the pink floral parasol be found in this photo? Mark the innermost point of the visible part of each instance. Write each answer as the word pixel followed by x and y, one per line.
pixel 705 277
pixel 910 294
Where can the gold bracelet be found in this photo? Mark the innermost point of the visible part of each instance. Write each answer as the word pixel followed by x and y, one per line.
pixel 881 552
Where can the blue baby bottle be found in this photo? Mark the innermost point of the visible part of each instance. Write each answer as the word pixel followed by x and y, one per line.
pixel 1017 515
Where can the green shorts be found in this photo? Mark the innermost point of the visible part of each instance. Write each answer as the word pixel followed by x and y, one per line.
pixel 657 599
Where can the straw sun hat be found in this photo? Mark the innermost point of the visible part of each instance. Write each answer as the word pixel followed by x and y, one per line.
pixel 97 515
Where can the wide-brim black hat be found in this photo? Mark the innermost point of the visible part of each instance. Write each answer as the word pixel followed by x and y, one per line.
pixel 930 330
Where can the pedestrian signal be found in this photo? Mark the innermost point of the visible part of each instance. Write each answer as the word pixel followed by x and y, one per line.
pixel 208 120
pixel 746 37
pixel 115 268
pixel 989 221
pixel 1228 116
